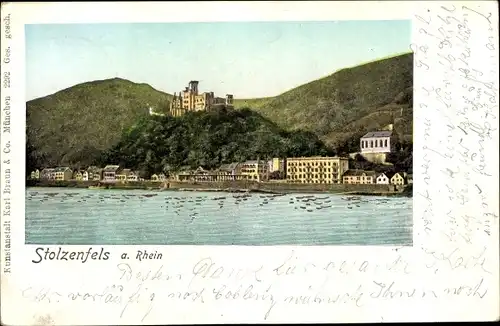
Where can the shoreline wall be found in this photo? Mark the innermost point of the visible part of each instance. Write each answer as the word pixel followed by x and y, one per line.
pixel 278 187
pixel 287 187
pixel 86 184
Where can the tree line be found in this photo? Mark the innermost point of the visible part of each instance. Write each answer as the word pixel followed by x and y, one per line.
pixel 207 139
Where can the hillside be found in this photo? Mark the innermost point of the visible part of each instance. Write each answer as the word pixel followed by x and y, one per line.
pixel 206 139
pixel 346 104
pixel 74 125
pixel 77 125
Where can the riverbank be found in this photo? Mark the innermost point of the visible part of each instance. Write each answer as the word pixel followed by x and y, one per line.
pixel 284 187
pixel 146 185
pixel 237 186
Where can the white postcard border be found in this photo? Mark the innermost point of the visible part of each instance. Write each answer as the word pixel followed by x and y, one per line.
pixel 451 272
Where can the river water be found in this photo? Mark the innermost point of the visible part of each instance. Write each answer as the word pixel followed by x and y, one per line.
pixel 63 216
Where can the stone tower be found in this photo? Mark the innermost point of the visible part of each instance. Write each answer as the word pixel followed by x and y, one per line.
pixel 193 87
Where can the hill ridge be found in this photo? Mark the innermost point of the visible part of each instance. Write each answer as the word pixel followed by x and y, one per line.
pixel 78 123
pixel 99 81
pixel 364 63
pixel 329 104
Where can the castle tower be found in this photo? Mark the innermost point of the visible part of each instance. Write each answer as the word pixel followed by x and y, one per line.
pixel 229 99
pixel 181 103
pixel 172 104
pixel 193 87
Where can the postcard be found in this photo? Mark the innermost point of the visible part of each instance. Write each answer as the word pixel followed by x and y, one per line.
pixel 240 162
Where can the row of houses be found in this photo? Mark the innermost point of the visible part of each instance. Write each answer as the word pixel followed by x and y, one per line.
pixel 324 170
pixel 110 173
pixel 252 170
pixel 372 177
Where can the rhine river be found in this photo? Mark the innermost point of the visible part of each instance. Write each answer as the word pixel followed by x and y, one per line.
pixel 65 216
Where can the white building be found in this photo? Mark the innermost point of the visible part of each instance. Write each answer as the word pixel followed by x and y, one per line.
pixel 384 178
pixel 377 142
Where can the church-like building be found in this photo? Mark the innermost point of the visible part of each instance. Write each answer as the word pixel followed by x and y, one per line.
pixel 190 100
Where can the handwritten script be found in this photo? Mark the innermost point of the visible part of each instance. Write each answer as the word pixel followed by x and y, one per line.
pixel 269 287
pixel 456 75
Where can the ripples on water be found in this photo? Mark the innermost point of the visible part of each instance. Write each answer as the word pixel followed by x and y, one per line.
pixel 139 217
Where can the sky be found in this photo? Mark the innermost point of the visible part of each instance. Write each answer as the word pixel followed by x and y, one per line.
pixel 246 59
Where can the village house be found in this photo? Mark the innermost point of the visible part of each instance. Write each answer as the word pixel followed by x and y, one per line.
pixel 35 175
pixel 133 176
pixel 63 173
pixel 198 175
pixel 230 169
pixel 124 175
pixel 223 175
pixel 255 170
pixel 228 172
pixel 94 173
pixel 359 177
pixel 158 177
pixel 78 176
pixel 384 178
pixel 377 142
pixel 85 176
pixel 317 169
pixel 204 175
pixel 399 178
pixel 109 173
pixel 48 174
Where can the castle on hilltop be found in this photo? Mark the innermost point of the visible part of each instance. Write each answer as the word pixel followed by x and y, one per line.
pixel 190 100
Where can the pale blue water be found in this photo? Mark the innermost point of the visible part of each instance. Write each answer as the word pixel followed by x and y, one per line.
pixel 138 217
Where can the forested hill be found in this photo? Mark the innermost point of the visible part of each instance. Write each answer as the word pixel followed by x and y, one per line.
pixel 76 124
pixel 109 119
pixel 340 108
pixel 207 139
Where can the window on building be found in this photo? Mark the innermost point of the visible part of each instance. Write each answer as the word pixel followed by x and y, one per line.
pixel 371 143
pixel 385 143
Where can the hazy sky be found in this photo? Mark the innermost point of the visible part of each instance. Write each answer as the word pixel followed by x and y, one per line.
pixel 245 59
